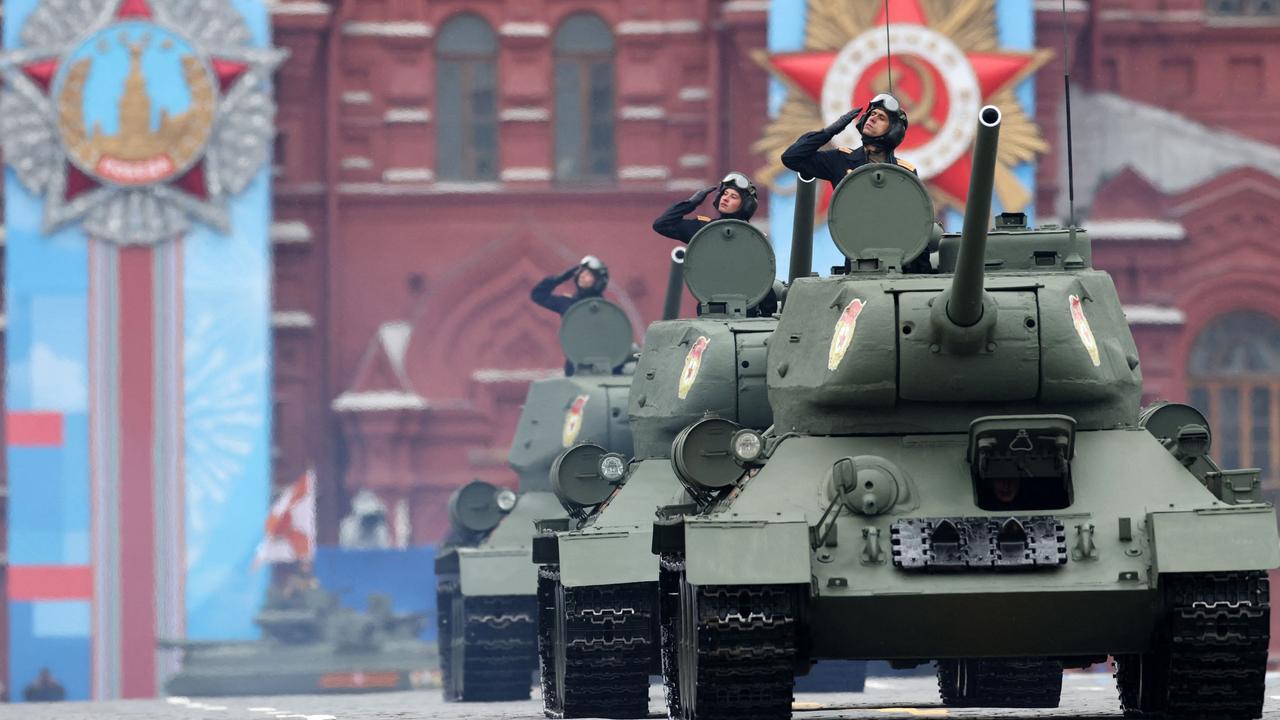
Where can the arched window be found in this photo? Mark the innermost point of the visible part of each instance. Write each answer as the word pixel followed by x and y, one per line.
pixel 1234 378
pixel 584 99
pixel 467 100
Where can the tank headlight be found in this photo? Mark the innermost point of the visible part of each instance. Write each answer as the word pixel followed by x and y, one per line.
pixel 747 446
pixel 613 467
pixel 506 500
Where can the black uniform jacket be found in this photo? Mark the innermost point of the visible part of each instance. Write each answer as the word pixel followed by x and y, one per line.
pixel 676 226
pixel 542 294
pixel 805 157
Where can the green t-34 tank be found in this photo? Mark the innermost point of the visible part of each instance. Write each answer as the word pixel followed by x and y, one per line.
pixel 959 473
pixel 703 377
pixel 486 584
pixel 310 644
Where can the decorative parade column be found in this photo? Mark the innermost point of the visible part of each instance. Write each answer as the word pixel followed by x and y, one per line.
pixel 137 208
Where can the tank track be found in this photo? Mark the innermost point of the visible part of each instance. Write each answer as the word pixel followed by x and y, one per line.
pixel 607 636
pixel 548 581
pixel 1001 683
pixel 1210 653
pixel 446 592
pixel 500 645
pixel 739 646
pixel 670 570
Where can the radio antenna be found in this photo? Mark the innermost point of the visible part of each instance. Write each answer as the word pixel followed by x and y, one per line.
pixel 1066 87
pixel 888 48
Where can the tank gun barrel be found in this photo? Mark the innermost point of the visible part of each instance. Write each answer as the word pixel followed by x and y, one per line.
pixel 801 262
pixel 675 286
pixel 964 306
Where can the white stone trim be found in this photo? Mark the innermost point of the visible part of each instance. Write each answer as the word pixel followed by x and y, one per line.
pixel 695 161
pixel 1153 15
pixel 658 27
pixel 1154 315
pixel 288 232
pixel 3 234
pixel 298 8
pixel 4 322
pixel 745 6
pixel 644 172
pixel 452 187
pixel 642 112
pixel 1052 6
pixel 292 320
pixel 408 174
pixel 1136 229
pixel 693 94
pixel 406 116
pixel 525 29
pixel 356 162
pixel 683 184
pixel 524 114
pixel 388 29
pixel 496 375
pixel 357 97
pixel 378 400
pixel 526 174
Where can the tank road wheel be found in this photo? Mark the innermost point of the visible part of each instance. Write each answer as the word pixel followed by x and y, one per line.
pixel 548 582
pixel 605 648
pixel 498 654
pixel 738 651
pixel 446 595
pixel 670 570
pixel 1005 683
pixel 1210 654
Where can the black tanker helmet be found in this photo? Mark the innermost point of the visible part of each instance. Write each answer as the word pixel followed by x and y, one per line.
pixel 597 268
pixel 892 137
pixel 742 184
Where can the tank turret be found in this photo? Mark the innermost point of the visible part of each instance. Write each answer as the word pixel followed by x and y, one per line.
pixel 1014 319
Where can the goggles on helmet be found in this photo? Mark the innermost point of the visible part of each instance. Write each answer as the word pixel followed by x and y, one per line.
pixel 886 101
pixel 737 180
pixel 591 262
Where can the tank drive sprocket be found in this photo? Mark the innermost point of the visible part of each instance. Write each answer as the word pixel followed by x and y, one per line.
pixel 1210 654
pixel 501 646
pixel 606 634
pixel 1000 682
pixel 738 651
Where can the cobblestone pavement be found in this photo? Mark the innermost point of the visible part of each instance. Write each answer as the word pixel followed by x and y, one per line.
pixel 1085 696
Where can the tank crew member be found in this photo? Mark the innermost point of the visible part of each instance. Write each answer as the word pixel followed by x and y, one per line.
pixel 882 128
pixel 735 199
pixel 590 277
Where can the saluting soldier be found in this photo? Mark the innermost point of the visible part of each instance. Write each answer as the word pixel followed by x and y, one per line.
pixel 735 198
pixel 882 128
pixel 590 276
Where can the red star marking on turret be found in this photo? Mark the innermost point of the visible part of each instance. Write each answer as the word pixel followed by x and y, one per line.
pixel 995 71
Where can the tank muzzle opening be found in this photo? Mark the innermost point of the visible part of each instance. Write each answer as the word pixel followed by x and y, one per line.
pixel 989 116
pixel 677 255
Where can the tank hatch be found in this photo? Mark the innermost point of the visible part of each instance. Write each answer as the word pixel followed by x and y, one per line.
pixel 479 506
pixel 596 336
pixel 729 267
pixel 881 217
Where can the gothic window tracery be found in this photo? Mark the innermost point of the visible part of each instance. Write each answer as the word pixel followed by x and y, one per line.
pixel 1234 378
pixel 467 100
pixel 584 100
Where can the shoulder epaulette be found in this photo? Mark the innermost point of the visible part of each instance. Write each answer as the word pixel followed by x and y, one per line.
pixel 848 151
pixel 704 218
pixel 906 164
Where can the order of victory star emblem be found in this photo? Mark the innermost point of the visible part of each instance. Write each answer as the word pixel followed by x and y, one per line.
pixel 136 117
pixel 945 67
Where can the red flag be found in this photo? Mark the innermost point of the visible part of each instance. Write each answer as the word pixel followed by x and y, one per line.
pixel 291 527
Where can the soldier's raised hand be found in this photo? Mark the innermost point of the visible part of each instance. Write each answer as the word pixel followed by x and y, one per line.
pixel 701 195
pixel 843 121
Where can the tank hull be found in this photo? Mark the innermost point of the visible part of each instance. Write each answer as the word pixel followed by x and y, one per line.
pixel 245 669
pixel 1103 598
